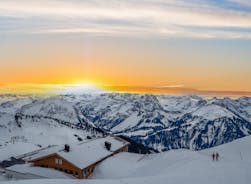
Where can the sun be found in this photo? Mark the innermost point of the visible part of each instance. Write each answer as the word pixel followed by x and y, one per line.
pixel 82 87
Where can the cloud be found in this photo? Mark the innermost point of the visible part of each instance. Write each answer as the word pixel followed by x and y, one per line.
pixel 242 2
pixel 162 18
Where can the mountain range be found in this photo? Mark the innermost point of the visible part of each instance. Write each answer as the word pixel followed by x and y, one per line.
pixel 161 122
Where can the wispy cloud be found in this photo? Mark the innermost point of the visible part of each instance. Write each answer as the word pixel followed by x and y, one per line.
pixel 163 18
pixel 242 2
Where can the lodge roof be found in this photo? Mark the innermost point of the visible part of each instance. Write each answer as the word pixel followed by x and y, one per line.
pixel 84 154
pixel 39 171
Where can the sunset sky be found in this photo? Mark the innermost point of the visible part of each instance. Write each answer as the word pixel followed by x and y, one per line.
pixel 151 45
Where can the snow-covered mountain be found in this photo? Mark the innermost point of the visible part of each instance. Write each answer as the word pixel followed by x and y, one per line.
pixel 162 122
pixel 58 107
pixel 170 122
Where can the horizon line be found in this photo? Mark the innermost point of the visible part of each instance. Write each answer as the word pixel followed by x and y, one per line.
pixel 28 88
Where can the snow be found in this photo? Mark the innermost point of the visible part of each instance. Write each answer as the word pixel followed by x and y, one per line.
pixel 175 167
pixel 183 165
pixel 238 150
pixel 32 135
pixel 129 122
pixel 85 154
pixel 141 116
pixel 45 152
pixel 240 106
pixel 56 107
pixel 12 104
pixel 128 114
pixel 179 105
pixel 39 171
pixel 13 150
pixel 2 177
pixel 212 112
pixel 91 152
pixel 138 133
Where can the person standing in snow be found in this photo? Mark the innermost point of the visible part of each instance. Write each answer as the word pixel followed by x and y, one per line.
pixel 213 156
pixel 217 156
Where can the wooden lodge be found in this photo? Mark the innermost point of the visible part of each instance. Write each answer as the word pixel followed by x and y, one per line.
pixel 79 160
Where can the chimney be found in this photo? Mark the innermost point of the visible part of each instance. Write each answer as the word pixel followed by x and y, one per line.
pixel 108 145
pixel 66 147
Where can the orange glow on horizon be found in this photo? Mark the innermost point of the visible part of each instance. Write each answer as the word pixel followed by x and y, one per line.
pixel 124 47
pixel 104 63
pixel 46 89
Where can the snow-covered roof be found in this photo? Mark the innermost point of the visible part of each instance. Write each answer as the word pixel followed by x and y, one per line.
pixel 38 171
pixel 84 154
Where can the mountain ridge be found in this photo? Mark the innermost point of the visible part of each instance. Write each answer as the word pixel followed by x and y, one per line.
pixel 162 122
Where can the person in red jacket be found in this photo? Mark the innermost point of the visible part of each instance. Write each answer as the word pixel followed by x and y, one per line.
pixel 217 156
pixel 213 156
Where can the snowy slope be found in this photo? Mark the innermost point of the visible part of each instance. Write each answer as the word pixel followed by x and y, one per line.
pixel 212 112
pixel 40 171
pixel 12 104
pixel 176 167
pixel 180 105
pixel 56 107
pixel 31 123
pixel 35 134
pixel 233 156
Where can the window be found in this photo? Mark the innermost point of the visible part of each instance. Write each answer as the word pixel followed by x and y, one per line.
pixel 83 173
pixel 76 174
pixel 60 161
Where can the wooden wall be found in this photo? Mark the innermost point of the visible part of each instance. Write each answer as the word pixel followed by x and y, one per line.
pixel 66 166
